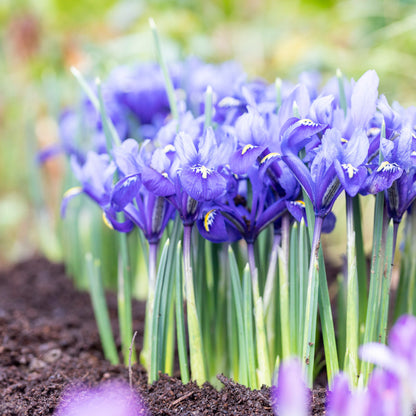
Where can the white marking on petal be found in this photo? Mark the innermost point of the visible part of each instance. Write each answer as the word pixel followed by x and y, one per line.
pixel 387 167
pixel 308 122
pixel 351 170
pixel 203 170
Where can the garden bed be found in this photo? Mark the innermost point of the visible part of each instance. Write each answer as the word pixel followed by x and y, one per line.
pixel 49 342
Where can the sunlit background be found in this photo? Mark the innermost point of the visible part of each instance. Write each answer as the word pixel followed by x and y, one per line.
pixel 41 39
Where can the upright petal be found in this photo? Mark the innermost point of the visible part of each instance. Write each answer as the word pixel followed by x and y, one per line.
pixel 364 99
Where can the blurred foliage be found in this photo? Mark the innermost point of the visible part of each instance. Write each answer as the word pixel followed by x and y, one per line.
pixel 41 39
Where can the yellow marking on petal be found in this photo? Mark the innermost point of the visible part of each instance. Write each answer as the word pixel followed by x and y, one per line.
pixel 165 175
pixel 413 153
pixel 246 148
pixel 107 222
pixel 169 148
pixel 300 202
pixel 269 156
pixel 344 140
pixel 75 190
pixel 207 219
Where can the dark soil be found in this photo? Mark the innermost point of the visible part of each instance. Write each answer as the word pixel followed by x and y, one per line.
pixel 49 343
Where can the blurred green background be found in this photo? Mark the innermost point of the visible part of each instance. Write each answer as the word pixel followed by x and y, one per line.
pixel 41 39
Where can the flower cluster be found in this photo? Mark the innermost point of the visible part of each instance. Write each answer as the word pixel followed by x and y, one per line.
pixel 240 172
pixel 233 157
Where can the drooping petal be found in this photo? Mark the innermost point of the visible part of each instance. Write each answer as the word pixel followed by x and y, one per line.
pixel 296 133
pixel 351 178
pixel 157 182
pixel 383 177
pixel 213 227
pixel 68 195
pixel 202 183
pixel 243 159
pixel 125 191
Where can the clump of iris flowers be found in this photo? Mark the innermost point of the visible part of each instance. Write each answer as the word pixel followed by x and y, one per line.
pixel 230 183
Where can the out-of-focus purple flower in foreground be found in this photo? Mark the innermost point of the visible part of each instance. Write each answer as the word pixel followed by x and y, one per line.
pixel 291 397
pixel 108 399
pixel 398 358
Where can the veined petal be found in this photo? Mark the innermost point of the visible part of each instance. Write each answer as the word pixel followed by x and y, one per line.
pixel 383 177
pixel 125 191
pixel 125 157
pixel 364 99
pixel 297 210
pixel 158 183
pixel 215 228
pixel 185 149
pixel 111 222
pixel 297 133
pixel 202 183
pixel 244 158
pixel 207 146
pixel 351 178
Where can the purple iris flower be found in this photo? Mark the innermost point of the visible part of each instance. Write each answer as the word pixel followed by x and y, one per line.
pixel 96 178
pixel 320 181
pixel 194 175
pixel 381 397
pixel 151 213
pixel 238 215
pixel 398 358
pixel 140 92
pixel 291 396
pixel 108 399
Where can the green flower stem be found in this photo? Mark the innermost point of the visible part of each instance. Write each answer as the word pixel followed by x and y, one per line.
pixel 385 295
pixel 249 334
pixel 156 341
pixel 271 273
pixel 284 287
pixel 239 308
pixel 100 309
pixel 361 266
pixel 264 372
pixel 303 282
pixel 352 320
pixel 145 353
pixel 324 302
pixel 376 278
pixel 124 300
pixel 308 352
pixel 196 350
pixel 180 319
pixel 294 289
pixel 168 81
pixel 208 108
